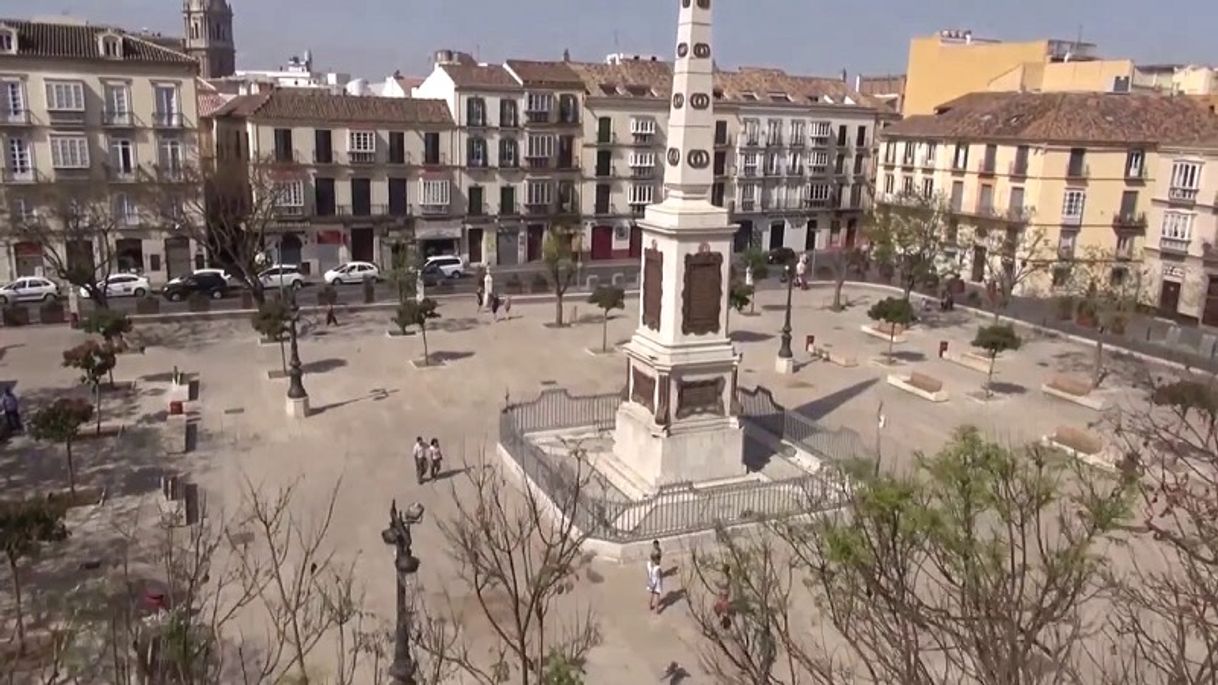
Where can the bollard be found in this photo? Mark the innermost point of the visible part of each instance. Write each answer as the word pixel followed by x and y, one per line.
pixel 74 320
pixel 810 343
pixel 175 408
pixel 369 291
pixel 942 348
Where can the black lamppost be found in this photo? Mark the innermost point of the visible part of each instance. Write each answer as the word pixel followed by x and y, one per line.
pixel 784 351
pixel 405 565
pixel 296 389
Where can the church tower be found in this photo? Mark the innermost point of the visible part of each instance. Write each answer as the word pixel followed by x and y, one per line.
pixel 209 36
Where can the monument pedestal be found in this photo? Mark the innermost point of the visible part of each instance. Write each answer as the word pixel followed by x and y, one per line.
pixel 297 408
pixel 699 449
pixel 785 366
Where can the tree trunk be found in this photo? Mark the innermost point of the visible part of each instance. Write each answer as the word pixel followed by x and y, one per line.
pixel 605 332
pixel 97 403
pixel 892 337
pixel 1098 374
pixel 12 565
pixel 558 308
pixel 989 377
pixel 71 468
pixel 283 355
pixel 727 319
pixel 837 294
pixel 426 356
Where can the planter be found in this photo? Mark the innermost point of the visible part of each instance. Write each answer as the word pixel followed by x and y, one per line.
pixel 52 312
pixel 84 497
pixel 15 315
pixel 395 333
pixel 147 305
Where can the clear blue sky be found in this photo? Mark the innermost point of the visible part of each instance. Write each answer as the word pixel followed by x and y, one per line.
pixel 373 37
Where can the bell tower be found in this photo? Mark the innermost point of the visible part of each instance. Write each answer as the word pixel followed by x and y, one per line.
pixel 209 36
pixel 679 421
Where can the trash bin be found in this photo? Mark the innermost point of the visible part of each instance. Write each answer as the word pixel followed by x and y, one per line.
pixel 942 348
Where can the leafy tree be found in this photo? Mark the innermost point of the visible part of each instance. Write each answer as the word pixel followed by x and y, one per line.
pixel 109 324
pixel 271 322
pixel 561 260
pixel 1106 291
pixel 894 312
pixel 59 422
pixel 404 276
pixel 739 296
pixel 94 361
pixel 417 313
pixel 995 340
pixel 907 234
pixel 24 527
pixel 608 298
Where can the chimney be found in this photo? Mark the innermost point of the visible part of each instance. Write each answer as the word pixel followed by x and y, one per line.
pixel 858 82
pixel 566 55
pixel 845 77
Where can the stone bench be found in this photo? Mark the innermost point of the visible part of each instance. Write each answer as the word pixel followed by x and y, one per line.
pixel 970 360
pixel 1082 445
pixel 828 354
pixel 920 384
pixel 1072 389
pixel 880 331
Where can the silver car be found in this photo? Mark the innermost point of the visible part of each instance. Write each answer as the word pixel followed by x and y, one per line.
pixel 30 289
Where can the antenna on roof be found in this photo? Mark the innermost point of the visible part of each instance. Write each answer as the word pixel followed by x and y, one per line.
pixel 616 47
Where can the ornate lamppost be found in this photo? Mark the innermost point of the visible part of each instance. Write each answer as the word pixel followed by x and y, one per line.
pixel 786 359
pixel 405 565
pixel 298 398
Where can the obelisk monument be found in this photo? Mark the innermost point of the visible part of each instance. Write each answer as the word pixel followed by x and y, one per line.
pixel 678 422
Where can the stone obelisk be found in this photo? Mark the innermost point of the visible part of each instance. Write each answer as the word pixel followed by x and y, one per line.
pixel 678 422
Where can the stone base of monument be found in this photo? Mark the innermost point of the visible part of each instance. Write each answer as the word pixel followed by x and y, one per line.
pixel 297 408
pixel 784 365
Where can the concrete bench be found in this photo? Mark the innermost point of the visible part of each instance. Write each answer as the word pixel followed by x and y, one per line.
pixel 832 356
pixel 881 331
pixel 970 360
pixel 1082 445
pixel 1072 389
pixel 924 386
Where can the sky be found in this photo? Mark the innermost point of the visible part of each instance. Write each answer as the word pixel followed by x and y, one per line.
pixel 372 38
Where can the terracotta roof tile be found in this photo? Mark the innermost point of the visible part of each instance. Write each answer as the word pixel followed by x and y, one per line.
pixel 290 104
pixel 491 76
pixel 1065 118
pixel 210 102
pixel 545 74
pixel 79 41
pixel 627 79
pixel 882 85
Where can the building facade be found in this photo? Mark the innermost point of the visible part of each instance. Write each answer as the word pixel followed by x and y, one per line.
pixel 94 112
pixel 1182 240
pixel 1066 176
pixel 208 37
pixel 353 177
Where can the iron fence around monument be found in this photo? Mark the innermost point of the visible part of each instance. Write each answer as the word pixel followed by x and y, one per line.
pixel 759 409
pixel 604 512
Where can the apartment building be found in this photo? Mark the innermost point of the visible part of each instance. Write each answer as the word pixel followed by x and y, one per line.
pixel 1182 240
pixel 1076 169
pixel 354 177
pixel 93 111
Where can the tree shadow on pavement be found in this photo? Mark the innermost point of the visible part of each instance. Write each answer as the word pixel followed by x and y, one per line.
pixel 323 365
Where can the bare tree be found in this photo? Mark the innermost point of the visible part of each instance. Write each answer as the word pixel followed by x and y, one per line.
pixel 841 262
pixel 907 235
pixel 1013 257
pixel 517 548
pixel 1106 291
pixel 561 259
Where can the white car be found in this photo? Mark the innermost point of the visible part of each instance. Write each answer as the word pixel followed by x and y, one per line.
pixel 30 289
pixel 282 276
pixel 198 272
pixel 122 285
pixel 353 272
pixel 448 265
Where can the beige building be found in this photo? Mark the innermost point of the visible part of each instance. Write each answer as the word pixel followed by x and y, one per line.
pixel 94 111
pixel 1073 173
pixel 354 176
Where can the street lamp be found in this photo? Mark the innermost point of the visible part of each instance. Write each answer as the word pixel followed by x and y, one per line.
pixel 786 359
pixel 298 398
pixel 405 565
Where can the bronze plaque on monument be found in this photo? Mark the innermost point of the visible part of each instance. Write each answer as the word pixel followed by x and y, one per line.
pixel 643 389
pixel 700 397
pixel 653 287
pixel 703 295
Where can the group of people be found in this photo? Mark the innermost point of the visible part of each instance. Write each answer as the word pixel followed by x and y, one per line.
pixel 427 458
pixel 490 300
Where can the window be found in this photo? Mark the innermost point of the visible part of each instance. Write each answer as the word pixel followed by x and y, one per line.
pixel 818 161
pixel 839 164
pixel 171 156
pixel 167 111
pixel 289 194
pixel 540 147
pixel 748 163
pixel 19 158
pixel 1072 205
pixel 990 161
pixel 957 199
pixel 795 163
pixel 507 114
pixel 475 112
pixel 1135 161
pixel 720 132
pixel 928 188
pixel 771 164
pixel 323 146
pixel 434 192
pixel 748 197
pixel 122 156
pixel 539 193
pixel 642 194
pixel 960 159
pixel 798 132
pixel 603 192
pixel 907 185
pixel 14 99
pixel 508 153
pixel 817 194
pixel 752 131
pixel 65 96
pixel 539 103
pixel 985 199
pixel 8 40
pixel 1129 205
pixel 890 152
pixel 361 141
pixel 642 127
pixel 431 147
pixel 1185 180
pixel 475 201
pixel 568 109
pixel 910 151
pixel 604 130
pixel 111 47
pixel 1015 207
pixel 930 155
pixel 773 134
pixel 1178 226
pixel 843 132
pixel 858 164
pixel 1076 168
pixel 125 211
pixel 69 152
pixel 507 199
pixel 642 160
pixel 118 103
pixel 1066 243
pixel 822 130
pixel 860 139
pixel 476 152
pixel 397 197
pixel 889 184
pixel 1020 166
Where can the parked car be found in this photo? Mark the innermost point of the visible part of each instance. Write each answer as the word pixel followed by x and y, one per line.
pixel 122 285
pixel 449 265
pixel 432 275
pixel 212 285
pixel 282 276
pixel 198 272
pixel 31 289
pixel 781 255
pixel 353 272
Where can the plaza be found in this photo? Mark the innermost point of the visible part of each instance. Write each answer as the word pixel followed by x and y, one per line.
pixel 369 403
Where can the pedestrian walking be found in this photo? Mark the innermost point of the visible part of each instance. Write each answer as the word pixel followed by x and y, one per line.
pixel 723 599
pixel 495 307
pixel 420 458
pixel 655 582
pixel 437 458
pixel 480 295
pixel 12 410
pixel 507 307
pixel 331 319
pixel 656 553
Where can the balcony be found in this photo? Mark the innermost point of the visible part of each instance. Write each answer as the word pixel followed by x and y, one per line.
pixel 988 168
pixel 509 210
pixel 170 173
pixel 642 172
pixel 772 171
pixel 1019 215
pixel 121 174
pixel 66 117
pixel 1136 173
pixel 606 209
pixel 538 162
pixel 1072 219
pixel 1174 245
pixel 28 175
pixel 1078 172
pixel 118 119
pixel 907 162
pixel 323 156
pixel 126 218
pixel 361 157
pixel 1017 169
pixel 1182 195
pixel 748 171
pixel 1124 251
pixel 609 138
pixel 772 140
pixel 434 208
pixel 288 211
pixel 820 141
pixel 15 117
pixel 434 160
pixel 167 119
pixel 367 210
pixel 1129 221
pixel 751 140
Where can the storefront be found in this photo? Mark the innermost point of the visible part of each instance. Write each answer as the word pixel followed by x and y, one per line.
pixel 438 238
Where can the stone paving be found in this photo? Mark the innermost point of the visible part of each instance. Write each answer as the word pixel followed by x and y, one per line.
pixel 369 404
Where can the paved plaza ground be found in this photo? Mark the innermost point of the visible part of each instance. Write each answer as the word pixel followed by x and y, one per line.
pixel 369 403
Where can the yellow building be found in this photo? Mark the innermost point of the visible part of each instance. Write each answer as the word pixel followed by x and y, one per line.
pixel 950 64
pixel 1069 175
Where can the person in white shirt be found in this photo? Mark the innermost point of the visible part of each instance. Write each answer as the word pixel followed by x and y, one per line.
pixel 420 458
pixel 655 582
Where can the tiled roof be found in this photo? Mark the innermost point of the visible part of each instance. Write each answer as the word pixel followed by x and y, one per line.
pixel 545 74
pixel 210 103
pixel 299 104
pixel 491 76
pixel 642 79
pixel 1065 118
pixel 79 41
pixel 882 85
